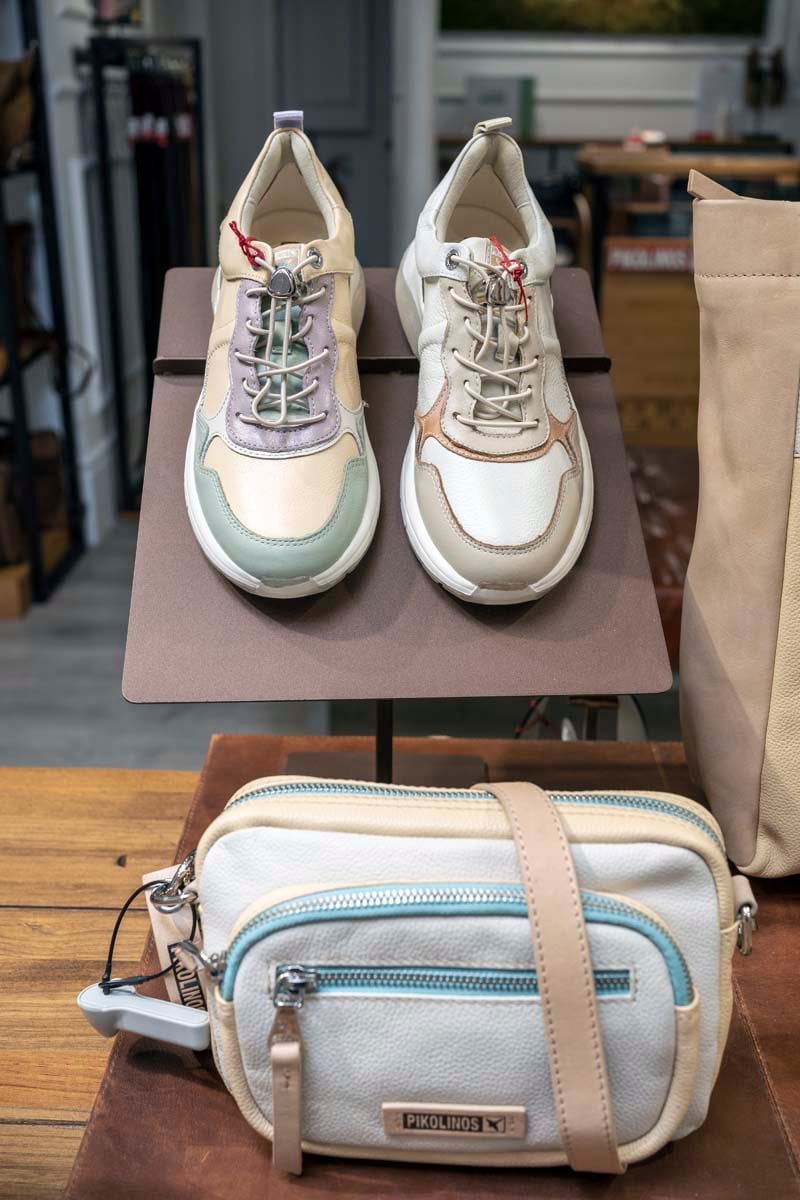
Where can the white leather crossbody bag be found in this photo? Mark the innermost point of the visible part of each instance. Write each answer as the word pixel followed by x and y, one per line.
pixel 496 976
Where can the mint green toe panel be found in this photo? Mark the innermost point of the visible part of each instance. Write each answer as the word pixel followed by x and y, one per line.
pixel 279 561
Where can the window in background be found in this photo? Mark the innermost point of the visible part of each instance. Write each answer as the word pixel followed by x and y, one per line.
pixel 738 17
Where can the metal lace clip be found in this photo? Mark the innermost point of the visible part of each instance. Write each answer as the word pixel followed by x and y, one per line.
pixel 171 896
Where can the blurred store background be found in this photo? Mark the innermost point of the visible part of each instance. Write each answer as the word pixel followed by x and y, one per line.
pixel 125 129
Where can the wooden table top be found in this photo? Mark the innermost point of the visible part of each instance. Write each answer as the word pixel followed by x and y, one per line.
pixel 614 160
pixel 73 846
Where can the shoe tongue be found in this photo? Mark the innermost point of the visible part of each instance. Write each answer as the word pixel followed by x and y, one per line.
pixel 482 250
pixel 287 255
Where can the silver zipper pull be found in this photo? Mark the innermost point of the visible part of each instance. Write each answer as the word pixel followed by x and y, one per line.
pixel 746 910
pixel 748 925
pixel 286 1062
pixel 291 984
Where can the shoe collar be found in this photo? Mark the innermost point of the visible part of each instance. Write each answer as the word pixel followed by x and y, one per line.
pixel 489 145
pixel 337 251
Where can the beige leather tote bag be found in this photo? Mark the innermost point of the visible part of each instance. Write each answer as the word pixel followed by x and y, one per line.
pixel 740 640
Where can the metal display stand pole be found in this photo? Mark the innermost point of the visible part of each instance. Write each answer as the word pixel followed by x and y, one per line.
pixel 384 740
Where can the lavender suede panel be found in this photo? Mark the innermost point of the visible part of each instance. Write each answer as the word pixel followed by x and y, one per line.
pixel 276 441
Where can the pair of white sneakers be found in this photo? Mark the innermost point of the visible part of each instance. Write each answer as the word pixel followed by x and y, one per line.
pixel 281 482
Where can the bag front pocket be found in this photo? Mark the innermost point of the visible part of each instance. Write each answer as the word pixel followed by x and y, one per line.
pixel 416 1013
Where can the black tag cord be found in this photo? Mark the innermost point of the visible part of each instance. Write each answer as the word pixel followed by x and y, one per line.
pixel 107 984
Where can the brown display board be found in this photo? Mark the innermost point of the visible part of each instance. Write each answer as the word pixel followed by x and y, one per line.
pixel 163 1124
pixel 388 630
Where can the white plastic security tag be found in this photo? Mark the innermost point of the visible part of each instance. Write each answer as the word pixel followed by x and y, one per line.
pixel 114 1004
pixel 125 1009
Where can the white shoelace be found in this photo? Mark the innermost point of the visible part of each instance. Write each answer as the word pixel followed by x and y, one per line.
pixel 264 399
pixel 504 411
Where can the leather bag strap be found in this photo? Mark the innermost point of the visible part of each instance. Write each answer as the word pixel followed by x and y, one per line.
pixel 565 978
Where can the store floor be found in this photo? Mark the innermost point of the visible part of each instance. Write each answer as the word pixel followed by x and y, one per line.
pixel 61 704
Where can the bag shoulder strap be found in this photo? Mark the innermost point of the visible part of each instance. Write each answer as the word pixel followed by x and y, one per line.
pixel 565 978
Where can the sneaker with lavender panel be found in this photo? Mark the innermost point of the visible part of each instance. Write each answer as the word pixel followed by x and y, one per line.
pixel 280 480
pixel 496 488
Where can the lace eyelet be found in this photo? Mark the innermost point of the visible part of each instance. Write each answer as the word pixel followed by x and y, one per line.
pixel 448 260
pixel 316 257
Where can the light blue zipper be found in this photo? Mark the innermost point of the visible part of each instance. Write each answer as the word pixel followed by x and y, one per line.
pixel 442 981
pixel 609 799
pixel 442 900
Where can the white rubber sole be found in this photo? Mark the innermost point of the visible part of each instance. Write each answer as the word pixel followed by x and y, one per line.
pixel 313 584
pixel 408 294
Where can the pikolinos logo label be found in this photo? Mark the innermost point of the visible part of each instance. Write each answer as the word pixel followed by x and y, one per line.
pixel 494 1121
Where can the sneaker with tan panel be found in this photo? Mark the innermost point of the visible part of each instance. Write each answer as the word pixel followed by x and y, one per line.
pixel 281 483
pixel 496 489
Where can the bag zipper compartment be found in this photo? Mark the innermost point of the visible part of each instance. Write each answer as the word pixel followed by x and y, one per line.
pixel 634 801
pixel 291 979
pixel 442 900
pixel 291 982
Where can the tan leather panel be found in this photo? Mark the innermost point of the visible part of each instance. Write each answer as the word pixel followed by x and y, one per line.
pixel 217 376
pixel 778 842
pixel 703 188
pixel 747 262
pixel 345 378
pixel 509 567
pixel 282 497
pixel 738 238
pixel 217 381
pixel 565 978
pixel 286 1063
pixel 226 303
pixel 429 424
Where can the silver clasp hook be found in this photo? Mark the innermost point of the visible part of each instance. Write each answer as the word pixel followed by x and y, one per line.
pixel 172 896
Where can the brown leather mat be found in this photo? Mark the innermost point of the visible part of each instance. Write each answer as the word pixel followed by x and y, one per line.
pixel 163 1124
